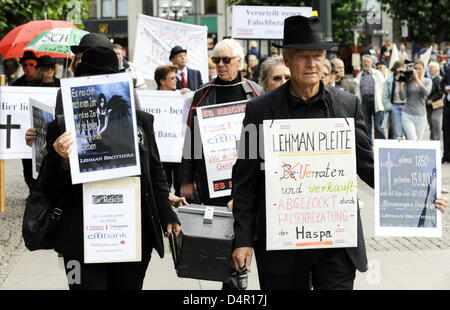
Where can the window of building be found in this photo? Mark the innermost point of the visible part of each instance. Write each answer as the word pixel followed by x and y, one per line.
pixel 107 9
pixel 122 8
pixel 210 6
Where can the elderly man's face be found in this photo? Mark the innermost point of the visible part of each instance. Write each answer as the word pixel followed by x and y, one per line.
pixel 180 60
pixel 366 63
pixel 228 70
pixel 339 67
pixel 306 66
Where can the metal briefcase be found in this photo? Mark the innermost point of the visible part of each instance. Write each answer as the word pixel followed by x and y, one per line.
pixel 203 249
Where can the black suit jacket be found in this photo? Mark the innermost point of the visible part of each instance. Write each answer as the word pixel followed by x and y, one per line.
pixel 194 80
pixel 249 176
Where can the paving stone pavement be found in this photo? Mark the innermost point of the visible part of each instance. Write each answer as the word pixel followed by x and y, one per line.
pixel 11 242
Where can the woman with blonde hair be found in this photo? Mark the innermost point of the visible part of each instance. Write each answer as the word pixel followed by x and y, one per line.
pixel 274 73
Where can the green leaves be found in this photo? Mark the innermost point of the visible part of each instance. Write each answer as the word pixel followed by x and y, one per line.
pixel 18 12
pixel 428 20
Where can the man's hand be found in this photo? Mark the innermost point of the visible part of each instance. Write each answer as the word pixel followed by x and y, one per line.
pixel 177 201
pixel 63 145
pixel 30 136
pixel 242 257
pixel 441 202
pixel 173 227
pixel 184 91
pixel 230 204
pixel 187 190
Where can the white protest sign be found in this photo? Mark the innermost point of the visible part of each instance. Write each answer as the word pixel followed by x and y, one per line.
pixel 15 117
pixel 263 22
pixel 170 109
pixel 40 116
pixel 220 129
pixel 155 37
pixel 311 184
pixel 100 113
pixel 112 221
pixel 407 182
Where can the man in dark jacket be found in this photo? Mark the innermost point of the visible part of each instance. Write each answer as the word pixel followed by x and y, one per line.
pixel 304 96
pixel 156 211
pixel 186 77
pixel 229 86
pixel 445 86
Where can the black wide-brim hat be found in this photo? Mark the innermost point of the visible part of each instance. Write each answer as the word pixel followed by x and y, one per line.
pixel 46 61
pixel 304 33
pixel 91 40
pixel 28 55
pixel 97 60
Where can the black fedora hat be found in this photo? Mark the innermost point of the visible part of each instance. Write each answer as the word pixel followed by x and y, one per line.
pixel 28 55
pixel 97 60
pixel 46 61
pixel 176 50
pixel 91 40
pixel 304 33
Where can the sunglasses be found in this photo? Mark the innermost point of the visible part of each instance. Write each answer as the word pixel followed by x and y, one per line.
pixel 28 64
pixel 279 77
pixel 225 60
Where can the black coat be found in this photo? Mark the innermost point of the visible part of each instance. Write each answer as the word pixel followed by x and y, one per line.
pixel 156 210
pixel 249 177
pixel 193 167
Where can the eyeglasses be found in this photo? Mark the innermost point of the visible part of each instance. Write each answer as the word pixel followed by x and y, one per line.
pixel 225 60
pixel 46 68
pixel 28 64
pixel 171 78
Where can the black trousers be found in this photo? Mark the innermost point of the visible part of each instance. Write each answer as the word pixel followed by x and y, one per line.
pixel 110 276
pixel 172 171
pixel 321 269
pixel 27 172
pixel 446 131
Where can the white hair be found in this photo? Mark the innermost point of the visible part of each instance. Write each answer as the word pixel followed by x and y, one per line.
pixel 230 47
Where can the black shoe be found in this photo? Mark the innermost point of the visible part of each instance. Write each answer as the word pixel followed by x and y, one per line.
pixel 445 161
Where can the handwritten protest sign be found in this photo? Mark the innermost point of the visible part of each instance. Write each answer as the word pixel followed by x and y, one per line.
pixel 15 117
pixel 170 109
pixel 99 111
pixel 407 180
pixel 40 116
pixel 311 185
pixel 220 128
pixel 158 36
pixel 263 22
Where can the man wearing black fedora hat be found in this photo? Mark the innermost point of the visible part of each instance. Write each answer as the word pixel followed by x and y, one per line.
pixel 304 96
pixel 186 77
pixel 30 76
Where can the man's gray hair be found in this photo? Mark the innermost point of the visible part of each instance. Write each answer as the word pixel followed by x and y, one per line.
pixel 266 67
pixel 230 47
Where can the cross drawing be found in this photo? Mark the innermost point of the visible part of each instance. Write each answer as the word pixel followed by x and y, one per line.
pixel 8 127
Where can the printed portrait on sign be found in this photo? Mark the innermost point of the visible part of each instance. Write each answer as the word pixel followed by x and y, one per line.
pixel 104 126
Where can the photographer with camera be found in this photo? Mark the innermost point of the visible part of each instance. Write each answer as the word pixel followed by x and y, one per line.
pixel 394 95
pixel 418 88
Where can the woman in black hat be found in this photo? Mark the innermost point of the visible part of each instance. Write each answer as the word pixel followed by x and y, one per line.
pixel 47 69
pixel 157 214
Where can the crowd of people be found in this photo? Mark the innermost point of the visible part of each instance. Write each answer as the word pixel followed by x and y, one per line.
pixel 300 83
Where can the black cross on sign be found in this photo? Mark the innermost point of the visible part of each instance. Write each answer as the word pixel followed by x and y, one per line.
pixel 8 126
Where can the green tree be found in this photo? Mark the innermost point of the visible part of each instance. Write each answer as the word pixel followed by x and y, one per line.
pixel 17 12
pixel 428 20
pixel 343 15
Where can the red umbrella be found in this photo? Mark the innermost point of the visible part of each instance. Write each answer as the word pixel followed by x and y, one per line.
pixel 12 45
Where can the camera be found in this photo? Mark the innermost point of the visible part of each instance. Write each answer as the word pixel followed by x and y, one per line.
pixel 406 73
